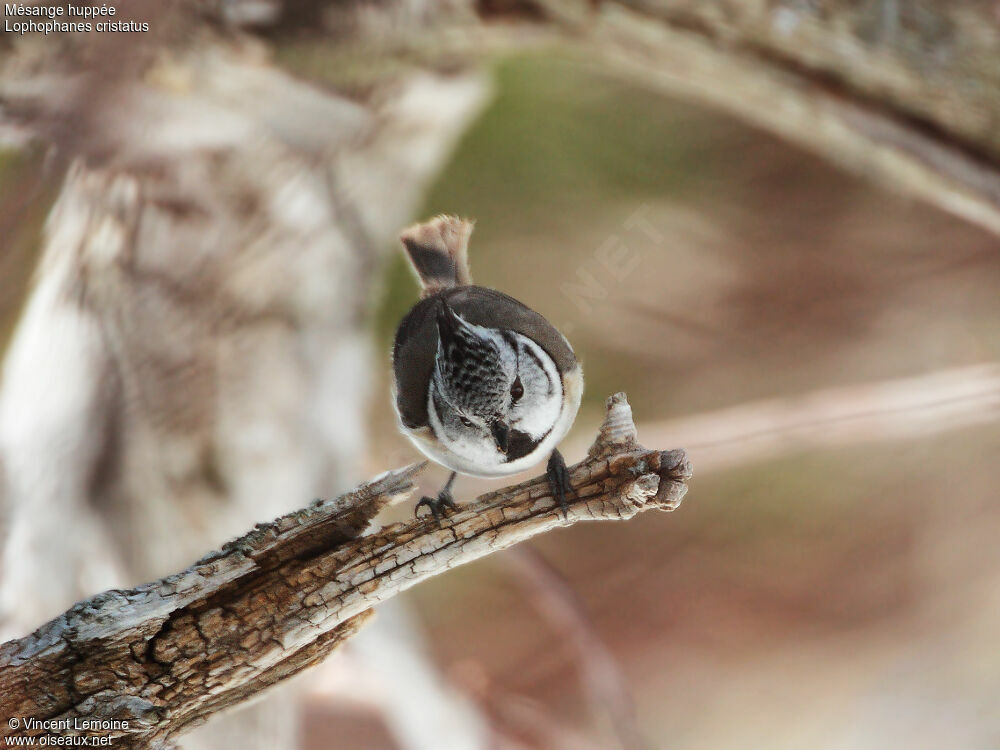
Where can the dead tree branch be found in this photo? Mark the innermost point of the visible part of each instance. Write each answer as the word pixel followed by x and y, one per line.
pixel 165 656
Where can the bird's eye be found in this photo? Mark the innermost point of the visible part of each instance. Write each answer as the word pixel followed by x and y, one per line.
pixel 465 422
pixel 516 390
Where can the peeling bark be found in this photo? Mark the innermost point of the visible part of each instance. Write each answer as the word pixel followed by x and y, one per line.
pixel 166 655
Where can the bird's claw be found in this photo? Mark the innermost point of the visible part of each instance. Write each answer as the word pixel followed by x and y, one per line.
pixel 558 476
pixel 439 506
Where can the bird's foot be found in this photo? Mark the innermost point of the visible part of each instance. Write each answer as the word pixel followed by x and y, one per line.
pixel 439 506
pixel 558 476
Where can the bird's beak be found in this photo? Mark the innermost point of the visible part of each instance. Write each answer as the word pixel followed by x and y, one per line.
pixel 501 434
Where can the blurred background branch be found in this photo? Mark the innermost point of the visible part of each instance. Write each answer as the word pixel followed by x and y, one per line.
pixel 908 408
pixel 902 93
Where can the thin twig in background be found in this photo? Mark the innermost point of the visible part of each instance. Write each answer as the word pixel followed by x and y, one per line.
pixel 900 409
pixel 607 691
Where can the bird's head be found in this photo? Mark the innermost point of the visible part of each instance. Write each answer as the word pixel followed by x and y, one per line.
pixel 494 395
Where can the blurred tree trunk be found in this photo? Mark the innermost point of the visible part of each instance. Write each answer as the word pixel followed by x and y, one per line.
pixel 193 356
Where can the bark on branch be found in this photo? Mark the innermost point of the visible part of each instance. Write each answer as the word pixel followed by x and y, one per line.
pixel 165 656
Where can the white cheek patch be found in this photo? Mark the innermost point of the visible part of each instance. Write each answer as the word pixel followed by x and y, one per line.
pixel 537 411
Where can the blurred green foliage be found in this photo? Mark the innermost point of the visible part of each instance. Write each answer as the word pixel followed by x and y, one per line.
pixel 561 145
pixel 559 139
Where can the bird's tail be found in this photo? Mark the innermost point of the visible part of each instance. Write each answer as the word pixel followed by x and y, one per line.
pixel 438 250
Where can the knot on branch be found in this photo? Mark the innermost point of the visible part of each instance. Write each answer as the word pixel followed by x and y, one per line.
pixel 618 431
pixel 660 476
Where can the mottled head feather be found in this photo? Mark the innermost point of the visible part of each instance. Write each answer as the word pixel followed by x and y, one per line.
pixel 473 370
